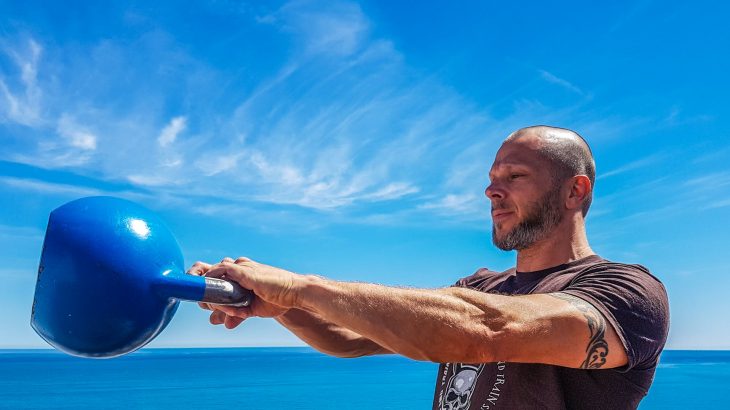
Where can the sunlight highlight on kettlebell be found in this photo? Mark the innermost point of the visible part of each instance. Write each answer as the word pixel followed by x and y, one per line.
pixel 139 227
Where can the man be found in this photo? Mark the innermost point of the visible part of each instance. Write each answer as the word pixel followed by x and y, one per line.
pixel 563 329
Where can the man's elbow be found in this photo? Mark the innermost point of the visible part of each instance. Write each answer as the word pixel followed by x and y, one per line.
pixel 353 350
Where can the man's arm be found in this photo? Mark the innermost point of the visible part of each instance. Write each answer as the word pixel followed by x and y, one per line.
pixel 327 337
pixel 447 325
pixel 464 325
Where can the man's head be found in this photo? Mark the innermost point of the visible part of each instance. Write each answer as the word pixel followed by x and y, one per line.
pixel 540 176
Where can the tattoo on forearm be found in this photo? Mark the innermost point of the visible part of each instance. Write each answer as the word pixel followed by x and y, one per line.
pixel 597 348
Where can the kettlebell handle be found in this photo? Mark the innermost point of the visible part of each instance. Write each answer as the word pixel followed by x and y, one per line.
pixel 173 283
pixel 223 292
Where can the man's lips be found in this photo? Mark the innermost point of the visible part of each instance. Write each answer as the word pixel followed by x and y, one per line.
pixel 501 214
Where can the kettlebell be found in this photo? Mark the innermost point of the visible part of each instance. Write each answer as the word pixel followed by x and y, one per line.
pixel 111 277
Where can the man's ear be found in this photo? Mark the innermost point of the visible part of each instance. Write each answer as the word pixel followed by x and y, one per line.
pixel 580 188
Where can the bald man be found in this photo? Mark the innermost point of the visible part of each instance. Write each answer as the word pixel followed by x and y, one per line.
pixel 564 328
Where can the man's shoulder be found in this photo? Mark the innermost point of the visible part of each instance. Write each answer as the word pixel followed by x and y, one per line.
pixel 608 268
pixel 594 267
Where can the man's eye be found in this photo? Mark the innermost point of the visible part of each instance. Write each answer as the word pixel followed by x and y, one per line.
pixel 515 176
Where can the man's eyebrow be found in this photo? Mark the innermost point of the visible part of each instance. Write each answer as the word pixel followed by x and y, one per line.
pixel 510 164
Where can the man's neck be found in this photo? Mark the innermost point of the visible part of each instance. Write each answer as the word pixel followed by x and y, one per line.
pixel 560 247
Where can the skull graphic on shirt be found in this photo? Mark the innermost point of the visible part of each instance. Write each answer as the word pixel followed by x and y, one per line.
pixel 461 386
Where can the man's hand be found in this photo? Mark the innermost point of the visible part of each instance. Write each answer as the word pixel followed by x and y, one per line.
pixel 273 285
pixel 231 316
pixel 276 293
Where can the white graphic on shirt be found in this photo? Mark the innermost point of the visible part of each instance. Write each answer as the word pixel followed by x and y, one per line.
pixel 461 386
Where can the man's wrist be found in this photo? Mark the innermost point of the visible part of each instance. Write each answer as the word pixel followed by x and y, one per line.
pixel 307 289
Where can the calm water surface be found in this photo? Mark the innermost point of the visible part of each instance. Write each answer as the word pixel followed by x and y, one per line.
pixel 287 378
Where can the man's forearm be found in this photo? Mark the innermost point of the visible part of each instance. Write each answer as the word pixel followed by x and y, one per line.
pixel 437 325
pixel 327 337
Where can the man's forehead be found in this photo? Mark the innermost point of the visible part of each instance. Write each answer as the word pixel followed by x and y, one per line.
pixel 519 152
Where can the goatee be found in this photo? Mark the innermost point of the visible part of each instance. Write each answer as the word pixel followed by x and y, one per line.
pixel 542 216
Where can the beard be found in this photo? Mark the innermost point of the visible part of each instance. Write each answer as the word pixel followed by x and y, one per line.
pixel 542 216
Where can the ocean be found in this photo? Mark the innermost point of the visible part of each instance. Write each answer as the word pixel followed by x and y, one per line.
pixel 287 378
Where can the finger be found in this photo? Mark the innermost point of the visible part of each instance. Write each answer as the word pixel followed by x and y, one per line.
pixel 228 260
pixel 199 268
pixel 232 321
pixel 233 311
pixel 232 271
pixel 205 306
pixel 217 317
pixel 242 259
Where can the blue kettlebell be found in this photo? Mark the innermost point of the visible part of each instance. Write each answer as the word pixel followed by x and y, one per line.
pixel 110 278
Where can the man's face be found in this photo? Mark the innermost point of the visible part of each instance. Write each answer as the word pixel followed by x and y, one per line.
pixel 526 203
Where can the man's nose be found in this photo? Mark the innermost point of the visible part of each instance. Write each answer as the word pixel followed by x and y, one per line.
pixel 494 191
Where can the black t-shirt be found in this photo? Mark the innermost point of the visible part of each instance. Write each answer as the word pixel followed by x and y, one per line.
pixel 632 300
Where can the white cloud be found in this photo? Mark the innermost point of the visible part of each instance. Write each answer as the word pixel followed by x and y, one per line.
pixel 20 232
pixel 633 165
pixel 22 105
pixel 171 131
pixel 468 203
pixel 709 182
pixel 552 78
pixel 342 121
pixel 217 163
pixel 721 203
pixel 391 191
pixel 325 134
pixel 337 27
pixel 78 136
pixel 152 180
pixel 48 187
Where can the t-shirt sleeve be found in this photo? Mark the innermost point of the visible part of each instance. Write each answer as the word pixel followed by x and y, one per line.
pixel 479 280
pixel 634 302
pixel 469 281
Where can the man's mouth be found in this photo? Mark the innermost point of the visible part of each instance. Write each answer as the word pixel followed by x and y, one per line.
pixel 501 214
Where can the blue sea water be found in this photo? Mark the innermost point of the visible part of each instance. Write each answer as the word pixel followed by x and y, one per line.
pixel 286 378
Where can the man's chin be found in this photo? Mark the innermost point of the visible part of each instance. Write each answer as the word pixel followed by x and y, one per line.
pixel 502 246
pixel 498 240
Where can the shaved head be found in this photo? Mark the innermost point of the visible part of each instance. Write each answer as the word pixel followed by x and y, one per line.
pixel 567 152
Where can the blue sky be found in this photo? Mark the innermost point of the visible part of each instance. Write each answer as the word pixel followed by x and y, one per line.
pixel 353 139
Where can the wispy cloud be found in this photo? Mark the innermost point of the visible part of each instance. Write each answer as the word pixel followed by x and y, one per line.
pixel 720 203
pixel 709 182
pixel 553 79
pixel 65 190
pixel 709 191
pixel 48 187
pixel 77 135
pixel 20 232
pixel 22 103
pixel 632 166
pixel 716 154
pixel 172 129
pixel 338 29
pixel 341 122
pixel 391 191
pixel 458 204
